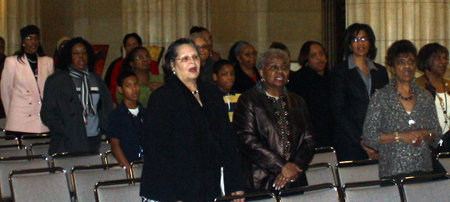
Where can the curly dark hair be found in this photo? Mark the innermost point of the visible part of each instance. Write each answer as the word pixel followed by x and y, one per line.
pixel 427 53
pixel 65 59
pixel 350 34
pixel 398 49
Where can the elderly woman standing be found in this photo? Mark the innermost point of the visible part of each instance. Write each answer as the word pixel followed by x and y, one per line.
pixel 187 137
pixel 273 128
pixel 76 102
pixel 433 62
pixel 401 121
pixel 22 85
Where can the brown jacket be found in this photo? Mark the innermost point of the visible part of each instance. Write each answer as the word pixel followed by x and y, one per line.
pixel 258 121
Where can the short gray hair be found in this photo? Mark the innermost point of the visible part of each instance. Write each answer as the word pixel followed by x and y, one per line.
pixel 196 35
pixel 271 52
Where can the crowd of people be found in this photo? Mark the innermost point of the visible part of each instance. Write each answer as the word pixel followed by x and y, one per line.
pixel 209 127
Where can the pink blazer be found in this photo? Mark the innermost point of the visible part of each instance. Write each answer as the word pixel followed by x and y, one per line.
pixel 21 95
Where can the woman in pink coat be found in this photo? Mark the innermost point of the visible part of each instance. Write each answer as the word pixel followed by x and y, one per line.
pixel 22 85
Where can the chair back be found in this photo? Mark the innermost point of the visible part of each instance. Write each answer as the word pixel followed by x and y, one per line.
pixel 322 192
pixel 8 140
pixel 357 171
pixel 260 197
pixel 84 179
pixel 427 188
pixel 17 163
pixel 109 157
pixel 12 150
pixel 444 159
pixel 325 155
pixel 156 52
pixel 320 173
pixel 40 148
pixel 27 140
pixel 136 169
pixel 45 184
pixel 118 190
pixel 380 190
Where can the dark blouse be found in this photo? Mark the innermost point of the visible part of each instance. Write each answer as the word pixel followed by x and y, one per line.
pixel 243 82
pixel 315 90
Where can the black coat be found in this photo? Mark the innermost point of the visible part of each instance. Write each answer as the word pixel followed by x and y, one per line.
pixel 349 102
pixel 62 112
pixel 243 82
pixel 315 90
pixel 185 145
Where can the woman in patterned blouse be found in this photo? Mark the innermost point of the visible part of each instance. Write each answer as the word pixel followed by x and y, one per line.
pixel 401 121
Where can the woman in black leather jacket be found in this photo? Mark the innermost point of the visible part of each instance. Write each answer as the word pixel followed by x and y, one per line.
pixel 273 128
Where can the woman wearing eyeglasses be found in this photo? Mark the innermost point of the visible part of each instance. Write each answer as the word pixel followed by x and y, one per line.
pixel 353 83
pixel 22 84
pixel 187 138
pixel 243 55
pixel 139 62
pixel 207 62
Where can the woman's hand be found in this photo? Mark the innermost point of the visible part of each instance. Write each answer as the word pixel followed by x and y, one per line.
pixel 371 152
pixel 238 193
pixel 413 138
pixel 289 173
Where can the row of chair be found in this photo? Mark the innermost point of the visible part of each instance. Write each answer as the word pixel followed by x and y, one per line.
pixel 421 188
pixel 72 162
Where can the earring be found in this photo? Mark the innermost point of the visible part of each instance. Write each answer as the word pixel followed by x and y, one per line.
pixel 288 80
pixel 262 79
pixel 23 45
pixel 174 72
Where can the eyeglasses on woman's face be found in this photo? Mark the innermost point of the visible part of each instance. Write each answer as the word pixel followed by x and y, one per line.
pixel 362 39
pixel 188 58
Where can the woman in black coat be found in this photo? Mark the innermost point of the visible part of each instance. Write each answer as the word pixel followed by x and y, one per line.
pixel 353 82
pixel 187 137
pixel 76 102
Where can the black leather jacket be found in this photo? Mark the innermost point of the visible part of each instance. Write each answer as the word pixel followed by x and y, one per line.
pixel 271 133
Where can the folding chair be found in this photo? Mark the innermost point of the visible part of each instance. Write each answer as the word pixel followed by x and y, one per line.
pixel 69 160
pixel 45 184
pixel 39 149
pixel 118 190
pixel 444 159
pixel 427 188
pixel 136 169
pixel 8 140
pixel 27 140
pixel 17 163
pixel 321 192
pixel 357 171
pixel 104 147
pixel 84 179
pixel 325 155
pixel 380 190
pixel 109 157
pixel 320 173
pixel 261 197
pixel 12 150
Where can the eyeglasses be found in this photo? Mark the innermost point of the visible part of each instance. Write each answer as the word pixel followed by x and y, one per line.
pixel 140 57
pixel 31 38
pixel 363 39
pixel 254 54
pixel 188 58
pixel 204 47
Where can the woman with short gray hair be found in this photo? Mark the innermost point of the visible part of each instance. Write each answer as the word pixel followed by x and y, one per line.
pixel 273 128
